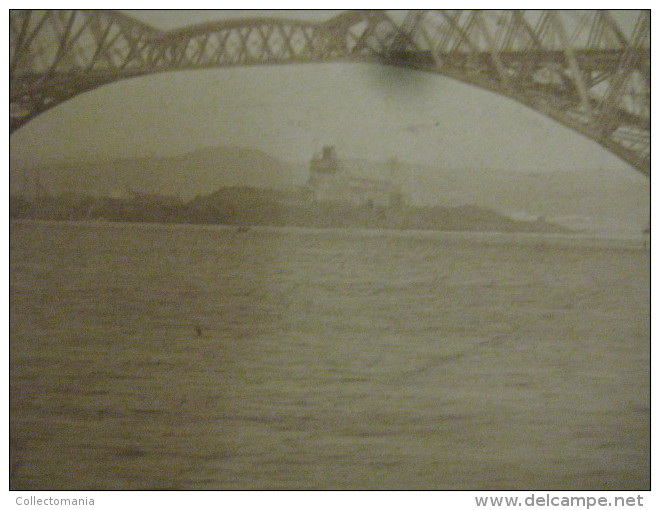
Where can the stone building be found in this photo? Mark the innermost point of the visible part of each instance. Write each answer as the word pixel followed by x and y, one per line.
pixel 330 181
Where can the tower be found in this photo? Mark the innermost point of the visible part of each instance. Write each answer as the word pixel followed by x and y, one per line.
pixel 327 163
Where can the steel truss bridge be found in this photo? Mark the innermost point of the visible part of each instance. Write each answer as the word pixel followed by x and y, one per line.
pixel 589 70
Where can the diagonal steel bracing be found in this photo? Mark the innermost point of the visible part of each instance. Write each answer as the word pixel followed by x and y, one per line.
pixel 589 70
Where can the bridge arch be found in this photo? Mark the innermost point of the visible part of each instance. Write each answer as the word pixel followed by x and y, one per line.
pixel 583 69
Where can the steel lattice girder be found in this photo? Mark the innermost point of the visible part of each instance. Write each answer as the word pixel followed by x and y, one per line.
pixel 584 68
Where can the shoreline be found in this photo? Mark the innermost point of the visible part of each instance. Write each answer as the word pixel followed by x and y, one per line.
pixel 494 238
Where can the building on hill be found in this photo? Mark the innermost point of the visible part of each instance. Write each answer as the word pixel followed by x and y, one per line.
pixel 330 181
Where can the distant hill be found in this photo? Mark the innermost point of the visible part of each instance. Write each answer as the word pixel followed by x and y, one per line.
pixel 246 206
pixel 252 206
pixel 184 176
pixel 594 200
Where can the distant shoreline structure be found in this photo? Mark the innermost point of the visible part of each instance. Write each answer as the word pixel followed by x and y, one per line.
pixel 330 181
pixel 486 238
pixel 242 206
pixel 161 189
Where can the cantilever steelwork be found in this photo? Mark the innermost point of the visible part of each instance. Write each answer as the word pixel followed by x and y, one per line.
pixel 589 70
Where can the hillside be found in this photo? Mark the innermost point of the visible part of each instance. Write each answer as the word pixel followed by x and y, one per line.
pixel 593 200
pixel 185 176
pixel 243 205
pixel 249 206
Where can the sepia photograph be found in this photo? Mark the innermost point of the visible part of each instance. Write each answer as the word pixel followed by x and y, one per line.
pixel 329 250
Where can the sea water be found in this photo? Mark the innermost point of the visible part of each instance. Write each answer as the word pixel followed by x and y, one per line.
pixel 206 357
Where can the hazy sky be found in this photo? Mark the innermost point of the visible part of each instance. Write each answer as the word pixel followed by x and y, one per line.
pixel 290 111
